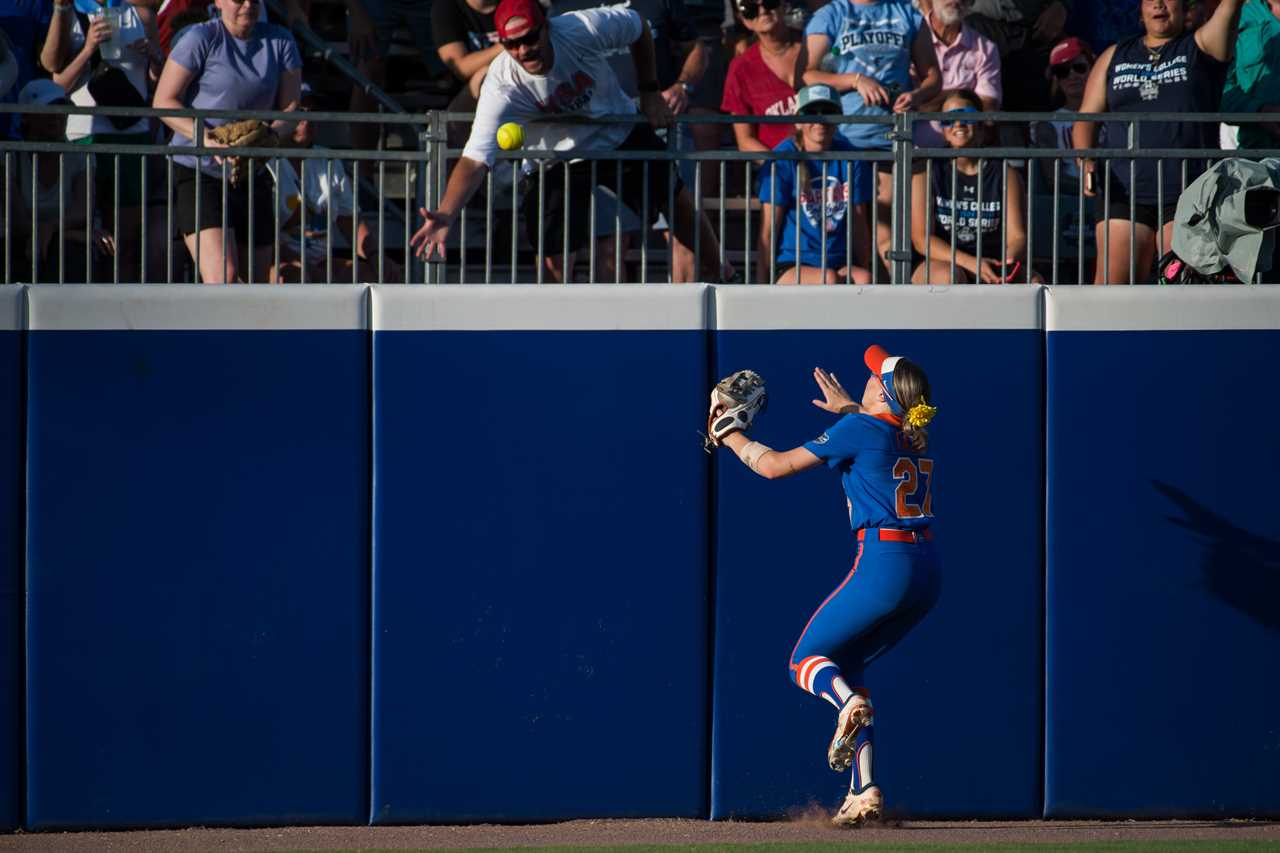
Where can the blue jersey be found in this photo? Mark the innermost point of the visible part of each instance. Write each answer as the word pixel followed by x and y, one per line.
pixel 886 482
pixel 848 183
pixel 873 39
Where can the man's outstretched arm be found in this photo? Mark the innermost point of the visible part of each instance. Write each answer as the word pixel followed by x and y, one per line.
pixel 464 180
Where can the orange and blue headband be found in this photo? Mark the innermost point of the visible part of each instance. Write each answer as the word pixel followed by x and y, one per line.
pixel 881 364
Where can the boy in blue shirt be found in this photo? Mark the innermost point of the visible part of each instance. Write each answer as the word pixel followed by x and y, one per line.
pixel 830 213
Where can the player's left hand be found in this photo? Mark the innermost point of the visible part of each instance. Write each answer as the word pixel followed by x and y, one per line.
pixel 835 399
pixel 655 109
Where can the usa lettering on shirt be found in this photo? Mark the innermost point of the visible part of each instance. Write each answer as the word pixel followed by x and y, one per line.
pixel 569 97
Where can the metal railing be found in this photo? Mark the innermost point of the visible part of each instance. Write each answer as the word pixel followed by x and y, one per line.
pixel 1048 200
pixel 24 256
pixel 489 243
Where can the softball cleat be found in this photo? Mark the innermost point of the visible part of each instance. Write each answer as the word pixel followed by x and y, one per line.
pixel 860 808
pixel 855 715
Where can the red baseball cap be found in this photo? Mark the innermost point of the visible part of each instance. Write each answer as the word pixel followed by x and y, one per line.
pixel 1067 50
pixel 514 18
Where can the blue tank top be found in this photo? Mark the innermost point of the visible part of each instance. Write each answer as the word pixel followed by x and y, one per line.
pixel 965 219
pixel 886 482
pixel 1176 77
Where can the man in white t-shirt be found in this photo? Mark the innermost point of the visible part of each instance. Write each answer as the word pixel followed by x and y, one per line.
pixel 560 67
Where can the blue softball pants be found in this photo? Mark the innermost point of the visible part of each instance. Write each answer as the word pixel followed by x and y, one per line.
pixel 891 587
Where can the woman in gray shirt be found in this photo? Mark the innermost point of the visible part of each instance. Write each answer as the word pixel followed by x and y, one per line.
pixel 233 62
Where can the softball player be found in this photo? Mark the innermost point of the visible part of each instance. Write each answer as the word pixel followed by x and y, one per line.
pixel 879 447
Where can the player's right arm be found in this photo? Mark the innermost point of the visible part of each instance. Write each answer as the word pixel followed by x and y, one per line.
pixel 771 464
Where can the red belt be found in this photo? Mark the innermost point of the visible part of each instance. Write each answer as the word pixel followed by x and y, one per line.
pixel 889 534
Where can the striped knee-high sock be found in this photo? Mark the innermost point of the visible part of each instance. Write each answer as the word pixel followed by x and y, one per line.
pixel 863 750
pixel 821 676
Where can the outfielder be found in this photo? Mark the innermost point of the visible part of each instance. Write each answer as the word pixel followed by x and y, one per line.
pixel 879 448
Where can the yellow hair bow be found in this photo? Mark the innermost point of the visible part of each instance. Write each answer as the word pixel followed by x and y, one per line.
pixel 920 414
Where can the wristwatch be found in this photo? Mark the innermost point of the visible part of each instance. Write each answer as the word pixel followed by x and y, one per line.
pixel 689 88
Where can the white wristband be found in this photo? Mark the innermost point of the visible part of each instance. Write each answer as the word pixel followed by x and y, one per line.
pixel 751 454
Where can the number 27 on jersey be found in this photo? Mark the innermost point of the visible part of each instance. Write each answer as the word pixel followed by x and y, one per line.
pixel 912 497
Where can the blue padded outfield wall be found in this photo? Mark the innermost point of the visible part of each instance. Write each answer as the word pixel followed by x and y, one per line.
pixel 197 556
pixel 11 535
pixel 540 571
pixel 783 546
pixel 1164 552
pixel 297 555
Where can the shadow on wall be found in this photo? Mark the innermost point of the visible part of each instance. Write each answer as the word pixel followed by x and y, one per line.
pixel 1240 568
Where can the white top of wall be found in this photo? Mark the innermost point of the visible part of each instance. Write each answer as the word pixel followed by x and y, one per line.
pixel 551 307
pixel 1154 308
pixel 11 314
pixel 106 307
pixel 744 308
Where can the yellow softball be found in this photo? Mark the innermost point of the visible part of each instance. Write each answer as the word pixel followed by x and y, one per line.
pixel 510 136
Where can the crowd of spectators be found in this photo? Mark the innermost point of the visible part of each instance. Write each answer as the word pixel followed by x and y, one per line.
pixel 744 58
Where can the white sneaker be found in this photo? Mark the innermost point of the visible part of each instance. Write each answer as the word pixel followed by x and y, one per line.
pixel 855 714
pixel 860 808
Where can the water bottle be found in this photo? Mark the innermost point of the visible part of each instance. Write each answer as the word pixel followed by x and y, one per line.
pixel 111 48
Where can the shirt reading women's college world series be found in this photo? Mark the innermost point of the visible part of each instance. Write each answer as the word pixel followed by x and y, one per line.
pixel 848 182
pixel 873 39
pixel 1175 77
pixel 580 83
pixel 886 482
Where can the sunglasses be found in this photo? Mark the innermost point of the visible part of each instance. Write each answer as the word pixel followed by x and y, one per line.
pixel 1061 71
pixel 529 39
pixel 243 2
pixel 959 121
pixel 750 10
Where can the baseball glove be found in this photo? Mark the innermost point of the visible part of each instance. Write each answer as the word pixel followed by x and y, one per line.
pixel 735 402
pixel 246 133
